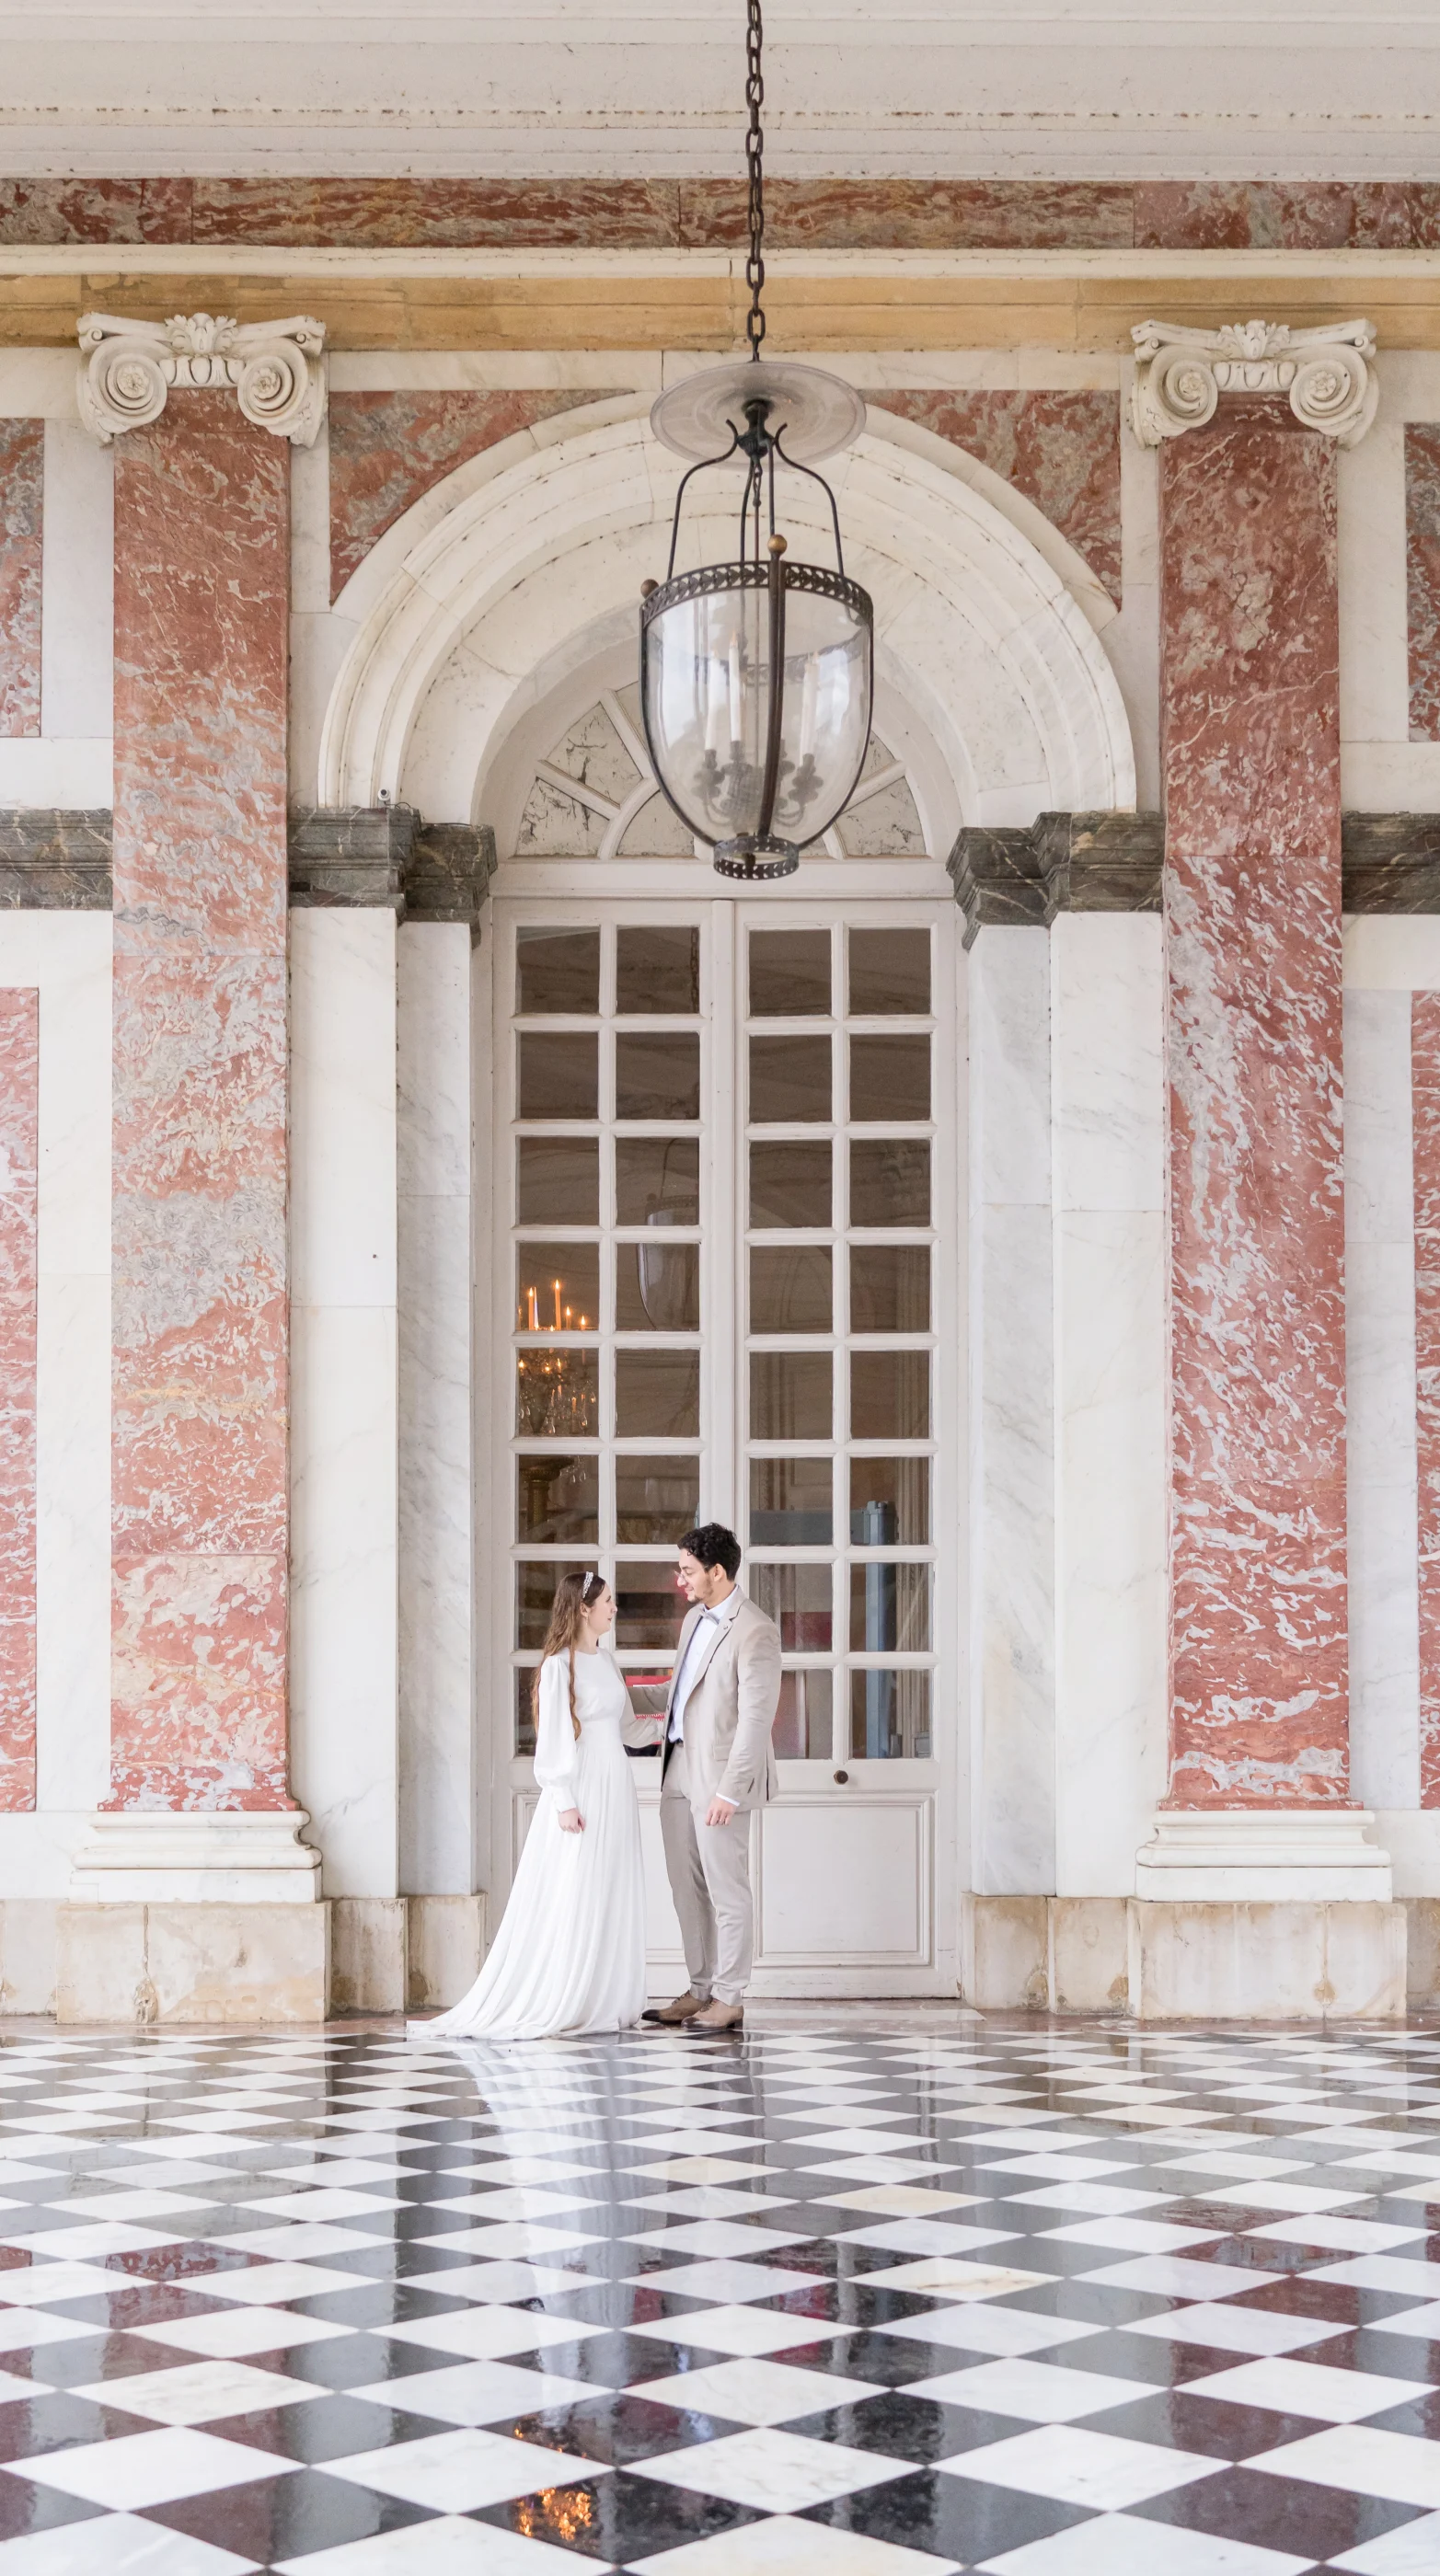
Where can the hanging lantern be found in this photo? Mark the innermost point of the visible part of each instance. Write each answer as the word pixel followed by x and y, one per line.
pixel 756 677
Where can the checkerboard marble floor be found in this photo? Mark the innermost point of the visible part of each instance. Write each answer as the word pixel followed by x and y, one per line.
pixel 1044 2301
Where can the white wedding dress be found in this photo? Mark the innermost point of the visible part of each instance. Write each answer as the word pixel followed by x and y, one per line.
pixel 570 1952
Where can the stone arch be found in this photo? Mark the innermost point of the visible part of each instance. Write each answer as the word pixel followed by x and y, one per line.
pixel 527 562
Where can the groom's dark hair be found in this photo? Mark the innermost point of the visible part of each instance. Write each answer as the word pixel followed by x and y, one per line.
pixel 713 1544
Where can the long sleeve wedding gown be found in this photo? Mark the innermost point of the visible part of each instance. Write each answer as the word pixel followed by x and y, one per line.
pixel 570 1952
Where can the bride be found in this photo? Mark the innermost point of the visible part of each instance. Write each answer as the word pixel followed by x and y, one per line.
pixel 570 1952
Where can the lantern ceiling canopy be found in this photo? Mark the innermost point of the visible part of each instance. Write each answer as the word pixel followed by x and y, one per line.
pixel 756 676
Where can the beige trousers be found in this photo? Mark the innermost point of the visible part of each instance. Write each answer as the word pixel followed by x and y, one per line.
pixel 709 1869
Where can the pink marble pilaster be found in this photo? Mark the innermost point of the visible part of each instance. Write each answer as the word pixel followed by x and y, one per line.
pixel 1425 1099
pixel 19 1162
pixel 199 1527
pixel 1259 1708
pixel 22 481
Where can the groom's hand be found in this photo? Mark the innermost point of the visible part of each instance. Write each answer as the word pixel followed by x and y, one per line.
pixel 719 1812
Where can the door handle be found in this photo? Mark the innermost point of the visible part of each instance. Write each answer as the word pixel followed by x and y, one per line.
pixel 842 1777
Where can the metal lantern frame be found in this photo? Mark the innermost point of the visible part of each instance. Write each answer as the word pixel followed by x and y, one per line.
pixel 819 412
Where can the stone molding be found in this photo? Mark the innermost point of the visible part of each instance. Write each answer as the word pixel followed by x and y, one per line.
pixel 1263 1855
pixel 1180 375
pixel 1023 876
pixel 275 368
pixel 54 860
pixel 148 1856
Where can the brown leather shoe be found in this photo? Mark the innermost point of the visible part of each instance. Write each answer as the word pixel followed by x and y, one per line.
pixel 684 2008
pixel 719 2017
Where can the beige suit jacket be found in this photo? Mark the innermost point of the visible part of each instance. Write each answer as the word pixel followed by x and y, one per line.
pixel 730 1708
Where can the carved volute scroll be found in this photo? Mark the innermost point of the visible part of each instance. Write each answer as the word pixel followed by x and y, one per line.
pixel 276 369
pixel 1180 375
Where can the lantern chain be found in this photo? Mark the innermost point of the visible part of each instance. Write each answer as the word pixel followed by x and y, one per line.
pixel 754 163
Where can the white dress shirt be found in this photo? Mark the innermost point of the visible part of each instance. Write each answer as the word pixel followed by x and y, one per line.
pixel 720 1617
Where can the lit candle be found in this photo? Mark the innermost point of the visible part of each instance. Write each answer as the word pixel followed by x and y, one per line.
pixel 735 687
pixel 533 1325
pixel 557 1305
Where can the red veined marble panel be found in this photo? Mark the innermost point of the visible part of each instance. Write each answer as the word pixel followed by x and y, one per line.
pixel 1425 1096
pixel 199 1510
pixel 19 1163
pixel 1249 626
pixel 22 486
pixel 1062 450
pixel 388 448
pixel 1422 576
pixel 819 214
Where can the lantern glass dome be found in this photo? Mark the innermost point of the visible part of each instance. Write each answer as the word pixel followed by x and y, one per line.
pixel 756 676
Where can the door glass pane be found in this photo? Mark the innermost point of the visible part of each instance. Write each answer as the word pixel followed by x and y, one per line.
pixel 789 974
pixel 557 1180
pixel 790 1182
pixel 889 1287
pixel 525 1709
pixel 657 968
pixel 657 1073
pixel 657 1176
pixel 889 1609
pixel 804 1727
pixel 657 1395
pixel 558 1074
pixel 790 1502
pixel 557 1394
pixel 889 1395
pixel 797 1598
pixel 790 1080
pixel 790 1395
pixel 657 1287
pixel 889 1180
pixel 649 1605
pixel 557 1500
pixel 889 1077
pixel 889 972
pixel 557 1287
pixel 655 1499
pixel 535 1589
pixel 889 1716
pixel 889 1502
pixel 790 1288
pixel 557 970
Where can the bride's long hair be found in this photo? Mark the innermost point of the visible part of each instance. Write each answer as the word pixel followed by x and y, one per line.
pixel 574 1595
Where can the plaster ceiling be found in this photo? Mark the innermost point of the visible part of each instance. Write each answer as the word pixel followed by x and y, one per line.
pixel 575 88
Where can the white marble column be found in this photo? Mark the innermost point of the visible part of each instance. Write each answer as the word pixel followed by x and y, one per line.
pixel 1108 1144
pixel 1012 1466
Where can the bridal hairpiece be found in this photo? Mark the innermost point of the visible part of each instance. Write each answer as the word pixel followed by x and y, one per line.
pixel 592 1585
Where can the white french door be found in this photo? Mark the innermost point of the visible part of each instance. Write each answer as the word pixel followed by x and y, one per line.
pixel 724 1286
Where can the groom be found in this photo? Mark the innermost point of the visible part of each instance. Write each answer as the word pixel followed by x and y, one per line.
pixel 718 1764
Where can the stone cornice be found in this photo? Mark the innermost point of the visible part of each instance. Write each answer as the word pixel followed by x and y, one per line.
pixel 1324 373
pixel 129 369
pixel 1115 863
pixel 53 860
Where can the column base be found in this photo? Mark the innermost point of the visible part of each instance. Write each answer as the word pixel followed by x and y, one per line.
pixel 1260 1855
pixel 177 1962
pixel 159 1856
pixel 1287 1961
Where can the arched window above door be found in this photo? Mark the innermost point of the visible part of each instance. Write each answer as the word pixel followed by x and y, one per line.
pixel 594 796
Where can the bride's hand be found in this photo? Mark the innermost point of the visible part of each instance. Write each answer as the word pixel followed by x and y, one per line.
pixel 571 1821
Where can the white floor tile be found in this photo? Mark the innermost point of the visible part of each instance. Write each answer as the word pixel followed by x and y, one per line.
pixel 1413 2550
pixel 1072 2465
pixel 200 2392
pixel 117 2544
pixel 757 2391
pixel 489 2334
pixel 781 2547
pixel 139 2469
pixel 447 2546
pixel 1230 2329
pixel 238 2332
pixel 1308 2388
pixel 772 2470
pixel 460 2471
pixel 1114 2544
pixel 477 2392
pixel 1037 2392
pixel 1363 2461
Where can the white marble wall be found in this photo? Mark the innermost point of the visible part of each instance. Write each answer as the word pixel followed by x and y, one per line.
pixel 1107 980
pixel 344 1682
pixel 1380 1374
pixel 436 1237
pixel 66 957
pixel 1012 1461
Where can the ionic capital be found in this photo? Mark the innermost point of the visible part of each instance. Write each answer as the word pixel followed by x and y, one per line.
pixel 1181 374
pixel 276 369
